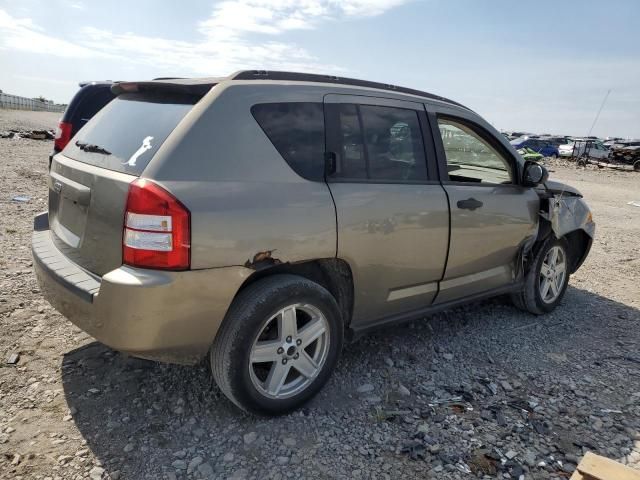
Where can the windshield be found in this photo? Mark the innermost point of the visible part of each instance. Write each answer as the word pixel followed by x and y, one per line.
pixel 125 135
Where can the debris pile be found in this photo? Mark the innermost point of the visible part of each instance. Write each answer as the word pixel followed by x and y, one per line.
pixel 626 152
pixel 32 134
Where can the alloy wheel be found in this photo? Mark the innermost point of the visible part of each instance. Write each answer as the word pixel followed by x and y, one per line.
pixel 552 274
pixel 289 351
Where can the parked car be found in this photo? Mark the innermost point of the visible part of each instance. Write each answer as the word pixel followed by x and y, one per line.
pixel 87 101
pixel 543 146
pixel 264 219
pixel 584 147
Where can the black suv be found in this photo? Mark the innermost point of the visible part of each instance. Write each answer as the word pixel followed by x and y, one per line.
pixel 88 101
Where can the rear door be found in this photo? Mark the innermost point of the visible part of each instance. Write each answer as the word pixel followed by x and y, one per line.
pixel 89 180
pixel 491 215
pixel 392 212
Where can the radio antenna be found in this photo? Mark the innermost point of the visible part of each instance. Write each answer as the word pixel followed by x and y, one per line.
pixel 598 114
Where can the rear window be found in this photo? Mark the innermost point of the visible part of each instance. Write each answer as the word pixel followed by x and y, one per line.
pixel 125 135
pixel 297 132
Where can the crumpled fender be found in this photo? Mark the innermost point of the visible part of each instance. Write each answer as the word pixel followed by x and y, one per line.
pixel 567 213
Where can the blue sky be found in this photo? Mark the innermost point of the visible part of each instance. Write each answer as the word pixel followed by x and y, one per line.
pixel 544 67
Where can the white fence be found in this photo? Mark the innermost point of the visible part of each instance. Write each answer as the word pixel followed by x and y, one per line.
pixel 15 102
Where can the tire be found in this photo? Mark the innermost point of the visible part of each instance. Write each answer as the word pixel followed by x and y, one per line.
pixel 533 298
pixel 257 326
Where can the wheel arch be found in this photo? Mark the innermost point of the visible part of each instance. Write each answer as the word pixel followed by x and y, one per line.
pixel 333 274
pixel 579 244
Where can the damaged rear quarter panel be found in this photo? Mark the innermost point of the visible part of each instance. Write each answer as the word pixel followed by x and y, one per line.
pixel 243 197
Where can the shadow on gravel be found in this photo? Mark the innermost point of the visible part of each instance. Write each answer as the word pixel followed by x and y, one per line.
pixel 577 368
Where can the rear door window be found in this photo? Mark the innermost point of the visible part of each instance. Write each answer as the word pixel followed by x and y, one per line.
pixel 378 144
pixel 125 135
pixel 296 129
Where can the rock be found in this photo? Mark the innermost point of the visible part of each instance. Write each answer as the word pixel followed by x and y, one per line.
pixel 290 442
pixel 250 437
pixel 597 424
pixel 511 454
pixel 9 430
pixel 228 457
pixel 96 473
pixel 179 464
pixel 13 358
pixel 128 448
pixel 115 475
pixel 403 391
pixel 506 386
pixel 530 458
pixel 180 454
pixel 193 464
pixel 282 460
pixel 206 470
pixel 447 356
pixel 373 399
pixel 568 467
pixel 366 388
pixel 388 362
pixel 493 388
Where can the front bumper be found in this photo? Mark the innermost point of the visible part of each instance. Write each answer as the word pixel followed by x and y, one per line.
pixel 160 315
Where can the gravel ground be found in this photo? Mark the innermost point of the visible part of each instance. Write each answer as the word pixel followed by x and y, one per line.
pixel 479 392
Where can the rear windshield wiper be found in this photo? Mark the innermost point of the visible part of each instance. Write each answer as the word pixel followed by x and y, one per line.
pixel 88 147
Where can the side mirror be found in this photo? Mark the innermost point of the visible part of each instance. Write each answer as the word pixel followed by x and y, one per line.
pixel 534 174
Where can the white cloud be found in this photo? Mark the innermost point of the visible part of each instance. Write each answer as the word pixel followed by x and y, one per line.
pixel 23 35
pixel 238 34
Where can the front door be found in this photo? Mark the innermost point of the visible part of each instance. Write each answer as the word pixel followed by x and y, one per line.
pixel 491 215
pixel 392 212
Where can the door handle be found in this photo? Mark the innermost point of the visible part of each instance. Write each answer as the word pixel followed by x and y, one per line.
pixel 469 204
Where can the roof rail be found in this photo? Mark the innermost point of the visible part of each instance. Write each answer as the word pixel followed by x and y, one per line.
pixel 312 77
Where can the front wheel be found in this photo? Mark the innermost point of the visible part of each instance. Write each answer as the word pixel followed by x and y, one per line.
pixel 547 279
pixel 278 344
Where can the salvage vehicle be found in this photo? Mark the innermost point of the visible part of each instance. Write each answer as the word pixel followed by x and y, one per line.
pixel 545 147
pixel 264 219
pixel 531 155
pixel 87 101
pixel 584 147
pixel 626 152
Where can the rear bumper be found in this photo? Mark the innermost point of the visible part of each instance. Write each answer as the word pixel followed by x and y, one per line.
pixel 166 316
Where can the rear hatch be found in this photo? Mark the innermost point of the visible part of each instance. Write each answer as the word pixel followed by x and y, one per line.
pixel 89 180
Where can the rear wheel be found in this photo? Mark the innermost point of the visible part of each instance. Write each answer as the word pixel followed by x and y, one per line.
pixel 278 344
pixel 547 279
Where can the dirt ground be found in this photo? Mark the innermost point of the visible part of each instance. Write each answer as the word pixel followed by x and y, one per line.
pixel 484 391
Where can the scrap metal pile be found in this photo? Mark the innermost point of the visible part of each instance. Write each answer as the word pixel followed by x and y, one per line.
pixel 627 152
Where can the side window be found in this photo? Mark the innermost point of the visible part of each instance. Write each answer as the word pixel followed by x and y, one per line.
pixel 469 157
pixel 378 143
pixel 297 132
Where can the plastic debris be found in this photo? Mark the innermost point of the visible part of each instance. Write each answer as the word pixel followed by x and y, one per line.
pixel 21 198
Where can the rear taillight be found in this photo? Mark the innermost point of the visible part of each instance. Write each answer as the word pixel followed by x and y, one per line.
pixel 157 228
pixel 63 135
